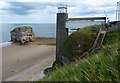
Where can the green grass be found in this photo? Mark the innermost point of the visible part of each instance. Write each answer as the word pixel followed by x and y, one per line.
pixel 101 66
pixel 112 37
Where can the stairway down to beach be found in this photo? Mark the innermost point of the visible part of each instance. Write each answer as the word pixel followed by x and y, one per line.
pixel 100 38
pixel 97 44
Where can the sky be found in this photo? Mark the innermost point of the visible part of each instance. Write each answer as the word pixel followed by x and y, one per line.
pixel 44 11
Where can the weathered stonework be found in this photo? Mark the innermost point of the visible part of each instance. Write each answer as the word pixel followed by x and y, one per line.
pixel 22 34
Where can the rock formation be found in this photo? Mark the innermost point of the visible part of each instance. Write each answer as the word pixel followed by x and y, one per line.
pixel 22 34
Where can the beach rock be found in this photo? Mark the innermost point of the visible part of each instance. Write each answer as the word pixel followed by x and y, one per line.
pixel 22 34
pixel 47 70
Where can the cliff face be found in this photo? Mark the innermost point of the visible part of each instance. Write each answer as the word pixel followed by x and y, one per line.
pixel 22 34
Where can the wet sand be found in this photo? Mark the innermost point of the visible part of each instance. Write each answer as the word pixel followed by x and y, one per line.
pixel 22 62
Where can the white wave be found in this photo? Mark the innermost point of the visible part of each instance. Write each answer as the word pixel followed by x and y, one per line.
pixel 5 44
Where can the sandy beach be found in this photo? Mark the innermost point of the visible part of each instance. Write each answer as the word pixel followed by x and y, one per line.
pixel 23 62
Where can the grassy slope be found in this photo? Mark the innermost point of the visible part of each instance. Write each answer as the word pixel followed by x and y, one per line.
pixel 103 66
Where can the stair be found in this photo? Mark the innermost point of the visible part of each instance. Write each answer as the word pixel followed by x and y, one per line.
pixel 97 44
pixel 100 38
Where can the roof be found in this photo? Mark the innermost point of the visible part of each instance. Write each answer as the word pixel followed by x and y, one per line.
pixel 89 18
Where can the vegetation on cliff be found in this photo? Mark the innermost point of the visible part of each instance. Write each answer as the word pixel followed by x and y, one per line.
pixel 102 66
pixel 78 42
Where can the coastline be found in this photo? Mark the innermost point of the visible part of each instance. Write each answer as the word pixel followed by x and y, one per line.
pixel 5 44
pixel 27 61
pixel 38 40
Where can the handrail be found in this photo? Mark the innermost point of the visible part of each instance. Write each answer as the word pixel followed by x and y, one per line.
pixel 103 38
pixel 97 37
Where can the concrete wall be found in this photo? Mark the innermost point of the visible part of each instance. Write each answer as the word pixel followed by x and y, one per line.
pixel 61 33
pixel 81 24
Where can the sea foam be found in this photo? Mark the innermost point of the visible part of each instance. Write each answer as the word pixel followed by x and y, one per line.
pixel 5 44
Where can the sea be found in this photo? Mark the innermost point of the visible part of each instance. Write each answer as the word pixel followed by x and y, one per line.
pixel 47 30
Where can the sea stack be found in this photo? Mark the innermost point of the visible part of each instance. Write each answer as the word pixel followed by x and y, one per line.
pixel 22 34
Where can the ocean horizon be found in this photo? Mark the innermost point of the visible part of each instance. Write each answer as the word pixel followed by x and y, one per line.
pixel 47 30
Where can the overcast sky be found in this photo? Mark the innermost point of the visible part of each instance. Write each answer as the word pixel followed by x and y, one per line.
pixel 44 11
